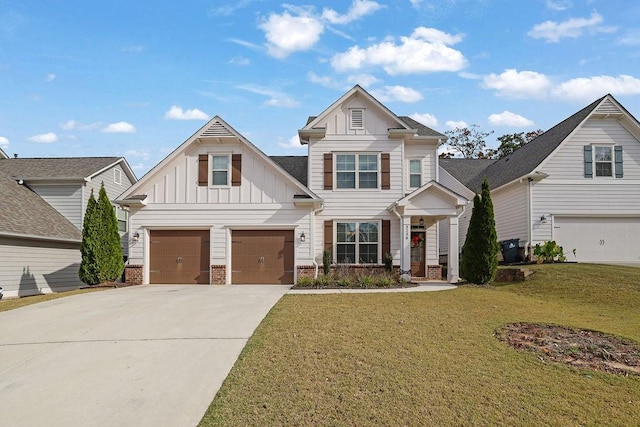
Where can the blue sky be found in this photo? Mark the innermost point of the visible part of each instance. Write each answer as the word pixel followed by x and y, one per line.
pixel 137 78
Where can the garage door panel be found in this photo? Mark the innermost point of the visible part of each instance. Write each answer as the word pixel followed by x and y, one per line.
pixel 606 239
pixel 179 256
pixel 262 256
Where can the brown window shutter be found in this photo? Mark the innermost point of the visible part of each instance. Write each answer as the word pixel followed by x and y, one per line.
pixel 236 169
pixel 203 170
pixel 386 237
pixel 385 166
pixel 328 171
pixel 328 236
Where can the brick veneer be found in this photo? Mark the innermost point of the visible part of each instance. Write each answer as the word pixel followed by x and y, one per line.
pixel 434 272
pixel 307 271
pixel 133 274
pixel 218 274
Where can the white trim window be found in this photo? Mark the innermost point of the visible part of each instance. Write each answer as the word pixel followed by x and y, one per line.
pixel 357 171
pixel 123 216
pixel 356 118
pixel 603 159
pixel 220 170
pixel 357 242
pixel 117 176
pixel 415 173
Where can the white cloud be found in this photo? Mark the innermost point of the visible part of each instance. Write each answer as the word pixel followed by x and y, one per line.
pixel 507 118
pixel 73 125
pixel 416 3
pixel 44 138
pixel 245 43
pixel 452 124
pixel 287 33
pixel 364 80
pixel 631 38
pixel 591 88
pixel 325 81
pixel 293 142
pixel 177 113
pixel 397 93
pixel 425 118
pixel 119 127
pixel 559 5
pixel 358 9
pixel 425 51
pixel 139 154
pixel 240 60
pixel 4 142
pixel 518 84
pixel 50 77
pixel 552 31
pixel 276 98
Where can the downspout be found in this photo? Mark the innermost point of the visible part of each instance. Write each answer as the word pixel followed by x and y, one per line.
pixel 312 243
pixel 529 221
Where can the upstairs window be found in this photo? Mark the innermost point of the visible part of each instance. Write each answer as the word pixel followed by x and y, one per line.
pixel 220 170
pixel 415 173
pixel 357 242
pixel 603 160
pixel 357 171
pixel 357 118
pixel 122 216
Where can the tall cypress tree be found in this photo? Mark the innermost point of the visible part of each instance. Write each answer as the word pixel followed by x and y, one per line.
pixel 479 260
pixel 88 272
pixel 109 252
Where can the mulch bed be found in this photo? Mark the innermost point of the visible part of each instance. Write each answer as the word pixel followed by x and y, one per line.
pixel 580 348
pixel 109 285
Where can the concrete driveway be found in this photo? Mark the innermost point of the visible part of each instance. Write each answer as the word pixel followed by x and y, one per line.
pixel 143 356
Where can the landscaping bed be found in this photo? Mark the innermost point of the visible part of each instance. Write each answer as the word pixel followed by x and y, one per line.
pixel 580 348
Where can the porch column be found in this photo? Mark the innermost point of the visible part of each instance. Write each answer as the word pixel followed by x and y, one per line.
pixel 405 247
pixel 453 257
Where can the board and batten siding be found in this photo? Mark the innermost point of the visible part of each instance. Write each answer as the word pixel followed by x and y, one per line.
pixel 31 267
pixel 511 212
pixel 567 192
pixel 446 179
pixel 66 199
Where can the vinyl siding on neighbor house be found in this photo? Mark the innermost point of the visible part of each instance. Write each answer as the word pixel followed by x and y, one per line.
pixel 30 267
pixel 66 199
pixel 511 212
pixel 463 221
pixel 113 190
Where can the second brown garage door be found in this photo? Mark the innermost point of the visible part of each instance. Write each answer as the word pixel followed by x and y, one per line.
pixel 262 256
pixel 179 256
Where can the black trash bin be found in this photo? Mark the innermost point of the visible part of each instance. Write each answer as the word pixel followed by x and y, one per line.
pixel 510 249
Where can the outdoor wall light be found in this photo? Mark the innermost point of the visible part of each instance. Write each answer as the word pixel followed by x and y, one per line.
pixel 543 219
pixel 421 222
pixel 303 238
pixel 136 237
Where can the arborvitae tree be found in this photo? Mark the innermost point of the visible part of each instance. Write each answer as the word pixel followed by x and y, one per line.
pixel 109 252
pixel 88 272
pixel 479 260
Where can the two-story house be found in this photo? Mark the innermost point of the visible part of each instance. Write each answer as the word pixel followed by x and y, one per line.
pixel 218 210
pixel 42 205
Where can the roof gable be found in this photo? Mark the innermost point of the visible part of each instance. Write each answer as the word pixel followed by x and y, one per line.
pixel 220 131
pixel 3 155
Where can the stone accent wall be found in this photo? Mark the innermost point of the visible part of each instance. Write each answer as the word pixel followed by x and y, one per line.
pixel 133 274
pixel 218 274
pixel 434 272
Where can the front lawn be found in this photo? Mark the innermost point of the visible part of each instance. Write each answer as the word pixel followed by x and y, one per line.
pixel 432 358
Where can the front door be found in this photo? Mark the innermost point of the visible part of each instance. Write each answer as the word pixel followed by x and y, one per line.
pixel 418 253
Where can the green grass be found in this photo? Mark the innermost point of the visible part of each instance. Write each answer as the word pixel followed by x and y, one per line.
pixel 12 303
pixel 431 358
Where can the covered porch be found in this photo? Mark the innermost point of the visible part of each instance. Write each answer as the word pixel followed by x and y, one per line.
pixel 419 213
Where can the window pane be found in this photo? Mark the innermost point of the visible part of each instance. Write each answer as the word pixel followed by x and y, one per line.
pixel 220 162
pixel 346 162
pixel 368 162
pixel 219 178
pixel 368 179
pixel 603 154
pixel 604 169
pixel 414 166
pixel 346 180
pixel 346 253
pixel 368 253
pixel 122 226
pixel 414 181
pixel 346 232
pixel 368 232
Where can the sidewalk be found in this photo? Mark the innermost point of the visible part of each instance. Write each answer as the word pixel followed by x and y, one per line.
pixel 422 287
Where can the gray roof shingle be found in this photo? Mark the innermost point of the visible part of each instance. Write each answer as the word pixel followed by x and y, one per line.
pixel 466 170
pixel 422 129
pixel 56 167
pixel 296 166
pixel 23 212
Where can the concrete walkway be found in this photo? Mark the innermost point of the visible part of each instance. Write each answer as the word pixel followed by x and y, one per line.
pixel 140 356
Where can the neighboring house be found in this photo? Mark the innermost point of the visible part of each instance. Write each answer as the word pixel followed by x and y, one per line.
pixel 3 155
pixel 577 184
pixel 218 210
pixel 42 204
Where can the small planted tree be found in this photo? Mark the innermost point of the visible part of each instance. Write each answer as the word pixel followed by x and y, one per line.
pixel 101 250
pixel 479 260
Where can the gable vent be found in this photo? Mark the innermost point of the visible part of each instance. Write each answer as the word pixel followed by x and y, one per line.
pixel 607 107
pixel 217 130
pixel 357 118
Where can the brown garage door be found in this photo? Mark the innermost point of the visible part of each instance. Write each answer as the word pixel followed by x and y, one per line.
pixel 262 256
pixel 179 256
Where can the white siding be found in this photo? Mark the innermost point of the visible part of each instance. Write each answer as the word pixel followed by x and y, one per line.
pixel 463 222
pixel 566 192
pixel 66 199
pixel 30 267
pixel 427 155
pixel 511 211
